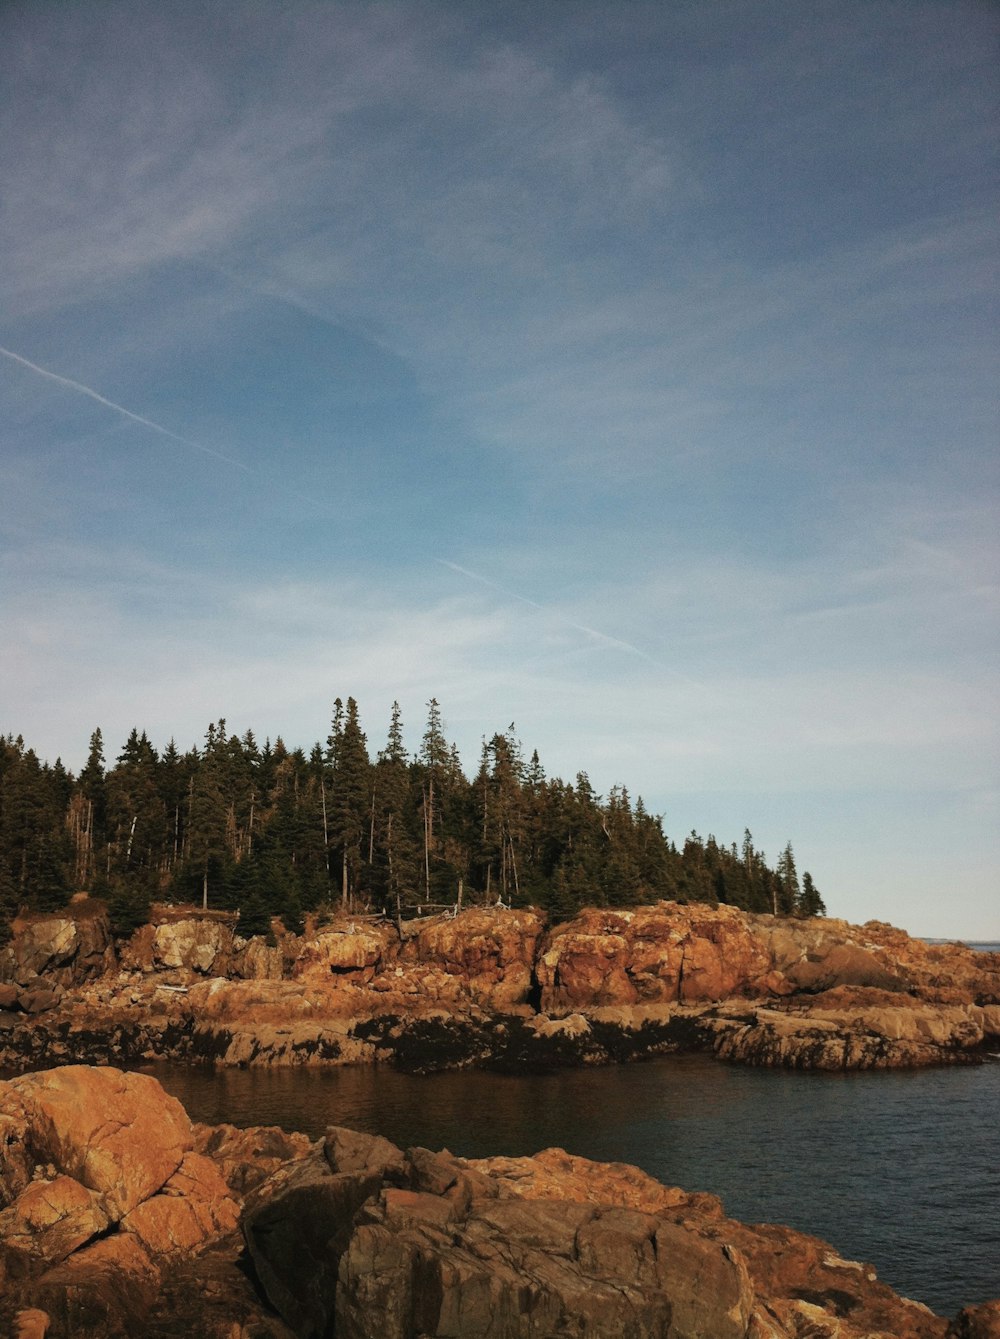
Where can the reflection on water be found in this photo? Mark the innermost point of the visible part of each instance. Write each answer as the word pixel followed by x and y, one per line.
pixel 899 1169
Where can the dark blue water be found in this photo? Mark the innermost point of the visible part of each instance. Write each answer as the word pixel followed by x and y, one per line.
pixel 900 1169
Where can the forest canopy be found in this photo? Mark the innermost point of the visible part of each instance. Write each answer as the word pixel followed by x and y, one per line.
pixel 274 831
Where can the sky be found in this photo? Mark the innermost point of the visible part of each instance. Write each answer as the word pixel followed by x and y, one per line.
pixel 624 370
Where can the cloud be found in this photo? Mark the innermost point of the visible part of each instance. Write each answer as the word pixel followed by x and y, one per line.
pixel 78 387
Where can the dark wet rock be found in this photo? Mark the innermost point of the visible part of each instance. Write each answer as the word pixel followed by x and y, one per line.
pixel 297 1226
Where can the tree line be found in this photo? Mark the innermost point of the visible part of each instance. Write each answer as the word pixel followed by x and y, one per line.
pixel 275 831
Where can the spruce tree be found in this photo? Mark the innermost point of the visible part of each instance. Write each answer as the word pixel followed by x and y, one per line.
pixel 352 800
pixel 789 894
pixel 810 903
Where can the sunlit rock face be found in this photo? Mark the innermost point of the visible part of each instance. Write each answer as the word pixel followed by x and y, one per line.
pixel 670 953
pixel 496 986
pixel 180 938
pixel 65 948
pixel 99 1186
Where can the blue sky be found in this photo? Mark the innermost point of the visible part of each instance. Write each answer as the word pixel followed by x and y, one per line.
pixel 624 370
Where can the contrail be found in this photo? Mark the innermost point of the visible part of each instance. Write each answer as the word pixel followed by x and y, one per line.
pixel 553 613
pixel 120 409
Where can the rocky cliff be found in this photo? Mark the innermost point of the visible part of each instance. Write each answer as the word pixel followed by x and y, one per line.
pixel 119 1217
pixel 494 986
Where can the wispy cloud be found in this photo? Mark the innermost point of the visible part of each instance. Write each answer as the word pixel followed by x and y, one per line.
pixel 144 422
pixel 596 636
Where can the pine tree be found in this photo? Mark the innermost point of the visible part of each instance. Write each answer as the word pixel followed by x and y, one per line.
pixel 90 805
pixel 789 894
pixel 434 759
pixel 206 819
pixel 352 799
pixel 136 815
pixel 35 849
pixel 265 826
pixel 810 903
pixel 396 874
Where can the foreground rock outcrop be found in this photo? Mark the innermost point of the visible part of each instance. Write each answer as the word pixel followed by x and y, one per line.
pixel 494 986
pixel 136 1222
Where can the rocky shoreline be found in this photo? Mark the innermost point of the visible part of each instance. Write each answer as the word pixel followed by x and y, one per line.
pixel 119 1217
pixel 493 987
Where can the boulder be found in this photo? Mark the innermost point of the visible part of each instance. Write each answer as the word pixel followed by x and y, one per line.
pixel 183 939
pixel 385 1244
pixel 351 950
pixel 490 951
pixel 691 954
pixel 662 954
pixel 49 1220
pixel 193 1208
pixel 246 1158
pixel 556 1174
pixel 201 946
pixel 39 999
pixel 117 1134
pixel 92 1260
pixel 514 1268
pixel 256 960
pixel 297 1226
pixel 68 947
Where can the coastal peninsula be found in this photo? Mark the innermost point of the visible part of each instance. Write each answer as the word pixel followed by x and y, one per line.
pixel 492 986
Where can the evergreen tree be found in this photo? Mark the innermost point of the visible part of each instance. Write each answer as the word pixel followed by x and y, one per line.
pixel 396 869
pixel 136 816
pixel 89 813
pixel 35 848
pixel 207 812
pixel 264 827
pixel 810 903
pixel 352 800
pixel 789 894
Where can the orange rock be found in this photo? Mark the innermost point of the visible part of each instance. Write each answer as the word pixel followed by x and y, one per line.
pixel 170 1224
pixel 977 1322
pixel 689 954
pixel 182 939
pixel 555 1174
pixel 31 1323
pixel 116 1133
pixel 65 948
pixel 350 950
pixel 245 1158
pixel 490 952
pixel 48 1221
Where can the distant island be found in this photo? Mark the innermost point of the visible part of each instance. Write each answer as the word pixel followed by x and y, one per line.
pixel 273 831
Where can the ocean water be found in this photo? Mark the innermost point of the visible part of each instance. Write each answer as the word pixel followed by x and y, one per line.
pixel 899 1169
